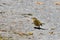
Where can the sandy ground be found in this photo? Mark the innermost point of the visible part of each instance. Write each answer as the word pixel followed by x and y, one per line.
pixel 15 24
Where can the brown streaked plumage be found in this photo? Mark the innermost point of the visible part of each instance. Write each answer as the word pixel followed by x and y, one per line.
pixel 37 23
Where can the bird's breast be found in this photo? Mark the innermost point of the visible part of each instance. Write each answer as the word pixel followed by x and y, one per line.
pixel 37 23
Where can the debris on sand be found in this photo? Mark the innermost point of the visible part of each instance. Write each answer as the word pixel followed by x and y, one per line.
pixel 51 33
pixel 24 34
pixel 39 3
pixel 57 3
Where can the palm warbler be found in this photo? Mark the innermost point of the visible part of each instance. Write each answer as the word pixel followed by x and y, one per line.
pixel 37 23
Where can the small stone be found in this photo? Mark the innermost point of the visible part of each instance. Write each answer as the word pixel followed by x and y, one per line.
pixel 51 33
pixel 29 38
pixel 57 3
pixel 29 14
pixel 30 33
pixel 52 28
pixel 39 3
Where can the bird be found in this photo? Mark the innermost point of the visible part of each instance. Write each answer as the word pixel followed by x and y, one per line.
pixel 37 23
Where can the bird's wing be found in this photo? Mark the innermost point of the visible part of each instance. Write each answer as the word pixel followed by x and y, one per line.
pixel 37 22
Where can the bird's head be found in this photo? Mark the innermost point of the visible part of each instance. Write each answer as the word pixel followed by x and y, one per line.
pixel 34 18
